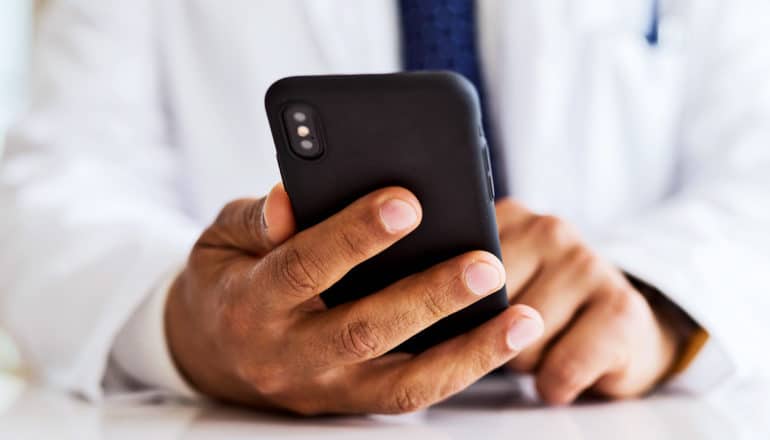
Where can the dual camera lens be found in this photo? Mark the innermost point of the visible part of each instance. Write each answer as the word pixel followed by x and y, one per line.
pixel 303 131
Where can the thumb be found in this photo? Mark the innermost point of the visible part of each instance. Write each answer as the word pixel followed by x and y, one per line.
pixel 277 216
pixel 253 225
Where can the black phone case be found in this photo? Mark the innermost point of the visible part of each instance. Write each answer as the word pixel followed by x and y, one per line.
pixel 421 131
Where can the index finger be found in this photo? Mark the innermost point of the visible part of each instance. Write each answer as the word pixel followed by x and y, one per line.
pixel 448 368
pixel 313 260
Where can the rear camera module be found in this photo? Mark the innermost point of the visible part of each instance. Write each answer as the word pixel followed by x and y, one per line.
pixel 304 131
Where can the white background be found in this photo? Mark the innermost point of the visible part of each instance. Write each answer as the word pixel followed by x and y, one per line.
pixel 15 20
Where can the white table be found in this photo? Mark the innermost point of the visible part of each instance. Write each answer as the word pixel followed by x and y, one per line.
pixel 490 409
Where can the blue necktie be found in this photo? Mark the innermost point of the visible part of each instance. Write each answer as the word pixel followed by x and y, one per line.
pixel 653 33
pixel 441 35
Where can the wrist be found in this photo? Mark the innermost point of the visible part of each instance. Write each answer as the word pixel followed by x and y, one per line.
pixel 677 328
pixel 185 342
pixel 141 349
pixel 176 317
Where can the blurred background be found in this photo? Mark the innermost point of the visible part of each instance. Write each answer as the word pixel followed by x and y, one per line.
pixel 15 39
pixel 16 18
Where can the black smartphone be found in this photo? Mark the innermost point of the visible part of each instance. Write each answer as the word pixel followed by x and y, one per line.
pixel 341 137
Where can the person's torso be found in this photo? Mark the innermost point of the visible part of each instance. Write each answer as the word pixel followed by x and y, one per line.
pixel 584 106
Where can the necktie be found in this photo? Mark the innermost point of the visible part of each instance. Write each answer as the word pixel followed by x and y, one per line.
pixel 441 35
pixel 653 33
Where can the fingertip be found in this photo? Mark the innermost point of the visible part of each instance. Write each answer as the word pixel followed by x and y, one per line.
pixel 398 216
pixel 552 397
pixel 398 192
pixel 483 278
pixel 277 215
pixel 399 210
pixel 560 381
pixel 525 329
pixel 554 392
pixel 529 312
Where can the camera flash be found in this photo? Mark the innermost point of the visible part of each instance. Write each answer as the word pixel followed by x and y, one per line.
pixel 303 131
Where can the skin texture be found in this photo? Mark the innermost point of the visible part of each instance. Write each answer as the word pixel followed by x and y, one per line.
pixel 245 323
pixel 601 335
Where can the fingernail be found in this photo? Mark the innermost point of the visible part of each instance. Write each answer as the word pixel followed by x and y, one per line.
pixel 523 332
pixel 265 204
pixel 483 278
pixel 398 215
pixel 263 217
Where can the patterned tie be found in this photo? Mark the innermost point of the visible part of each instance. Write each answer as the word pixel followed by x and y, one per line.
pixel 441 35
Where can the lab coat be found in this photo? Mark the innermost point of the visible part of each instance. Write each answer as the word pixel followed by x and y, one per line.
pixel 14 24
pixel 147 117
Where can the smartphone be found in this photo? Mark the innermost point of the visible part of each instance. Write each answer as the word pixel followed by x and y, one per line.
pixel 341 137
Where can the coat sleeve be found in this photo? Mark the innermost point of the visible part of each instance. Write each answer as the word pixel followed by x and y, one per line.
pixel 707 246
pixel 91 213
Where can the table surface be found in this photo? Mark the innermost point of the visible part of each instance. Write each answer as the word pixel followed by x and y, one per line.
pixel 494 408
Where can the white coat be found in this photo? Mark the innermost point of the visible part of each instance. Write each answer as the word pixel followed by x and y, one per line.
pixel 147 117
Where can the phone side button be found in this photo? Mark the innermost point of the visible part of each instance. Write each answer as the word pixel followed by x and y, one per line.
pixel 485 157
pixel 488 170
pixel 490 187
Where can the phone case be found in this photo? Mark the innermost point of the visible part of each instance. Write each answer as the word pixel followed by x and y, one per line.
pixel 421 131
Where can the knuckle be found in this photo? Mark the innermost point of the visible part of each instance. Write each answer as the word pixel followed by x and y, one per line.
pixel 435 298
pixel 353 243
pixel 566 375
pixel 230 284
pixel 587 263
pixel 267 380
pixel 272 384
pixel 553 230
pixel 358 339
pixel 625 303
pixel 410 399
pixel 301 272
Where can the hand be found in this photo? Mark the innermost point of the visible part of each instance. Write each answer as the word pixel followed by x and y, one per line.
pixel 600 333
pixel 245 323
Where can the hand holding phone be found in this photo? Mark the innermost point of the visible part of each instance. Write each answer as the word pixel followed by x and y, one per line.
pixel 245 323
pixel 396 239
pixel 340 137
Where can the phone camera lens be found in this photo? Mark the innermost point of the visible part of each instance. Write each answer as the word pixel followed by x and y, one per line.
pixel 304 133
